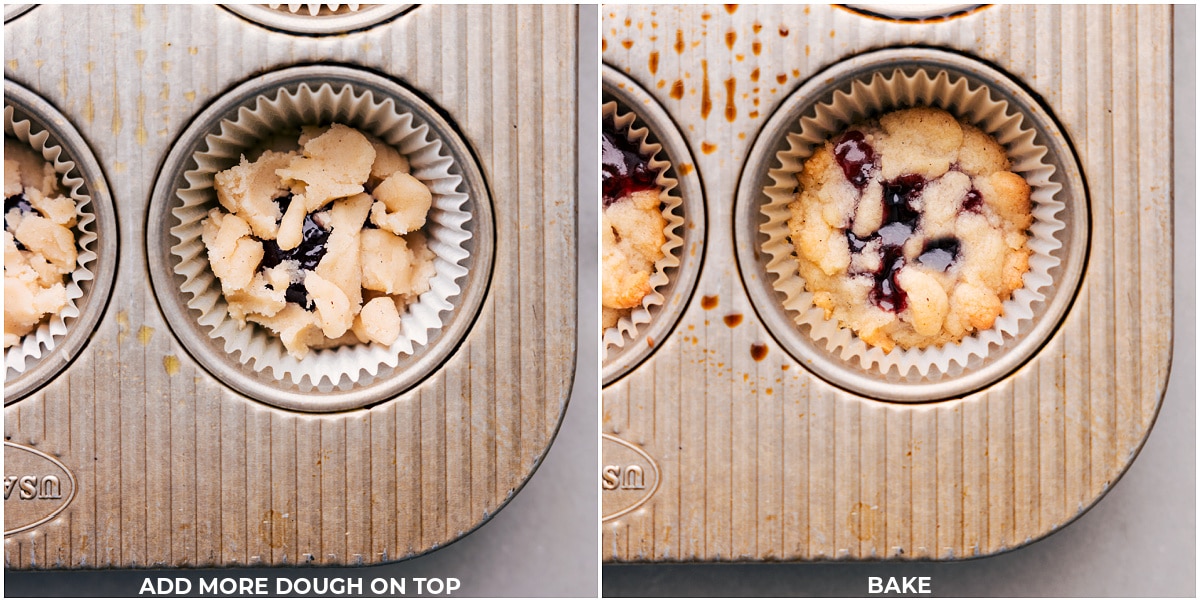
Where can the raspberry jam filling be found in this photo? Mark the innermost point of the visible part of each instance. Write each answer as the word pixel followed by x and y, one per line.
pixel 899 195
pixel 625 170
pixel 308 253
pixel 20 203
pixel 900 220
pixel 856 158
pixel 939 254
pixel 973 201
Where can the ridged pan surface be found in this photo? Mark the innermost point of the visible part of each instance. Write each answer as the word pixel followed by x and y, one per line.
pixel 161 464
pixel 728 449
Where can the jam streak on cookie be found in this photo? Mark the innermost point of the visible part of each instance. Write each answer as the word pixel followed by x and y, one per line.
pixel 310 252
pixel 900 220
pixel 856 157
pixel 887 293
pixel 898 197
pixel 20 203
pixel 625 170
pixel 939 254
pixel 973 201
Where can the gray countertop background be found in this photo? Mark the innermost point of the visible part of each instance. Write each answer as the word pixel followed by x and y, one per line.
pixel 1139 540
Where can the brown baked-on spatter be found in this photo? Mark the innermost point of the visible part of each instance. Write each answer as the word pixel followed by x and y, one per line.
pixel 321 245
pixel 632 225
pixel 39 242
pixel 911 230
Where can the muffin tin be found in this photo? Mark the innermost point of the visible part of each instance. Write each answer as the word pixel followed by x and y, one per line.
pixel 463 233
pixel 161 451
pixel 1062 227
pixel 735 441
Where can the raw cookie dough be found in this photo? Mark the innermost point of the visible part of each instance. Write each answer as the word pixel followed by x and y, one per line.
pixel 321 245
pixel 39 243
pixel 911 229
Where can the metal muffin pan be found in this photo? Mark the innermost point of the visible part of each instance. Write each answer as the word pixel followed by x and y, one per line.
pixel 729 444
pixel 159 461
pixel 813 354
pixel 629 96
pixel 263 385
pixel 44 117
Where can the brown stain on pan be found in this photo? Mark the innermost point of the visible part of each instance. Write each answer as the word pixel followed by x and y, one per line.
pixel 653 62
pixel 117 123
pixel 730 38
pixel 758 351
pixel 677 89
pixel 730 92
pixel 140 131
pixel 733 320
pixel 679 41
pixel 122 326
pixel 705 95
pixel 861 521
pixel 709 302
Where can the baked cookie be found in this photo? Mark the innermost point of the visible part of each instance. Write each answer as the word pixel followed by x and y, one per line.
pixel 633 226
pixel 39 242
pixel 321 245
pixel 911 230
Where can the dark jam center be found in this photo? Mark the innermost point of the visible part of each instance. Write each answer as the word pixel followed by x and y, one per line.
pixel 899 195
pixel 887 293
pixel 625 171
pixel 973 201
pixel 939 254
pixel 19 202
pixel 856 158
pixel 900 220
pixel 308 253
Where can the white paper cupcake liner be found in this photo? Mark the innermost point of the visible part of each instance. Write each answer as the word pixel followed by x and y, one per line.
pixel 314 9
pixel 870 98
pixel 43 340
pixel 627 328
pixel 255 346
